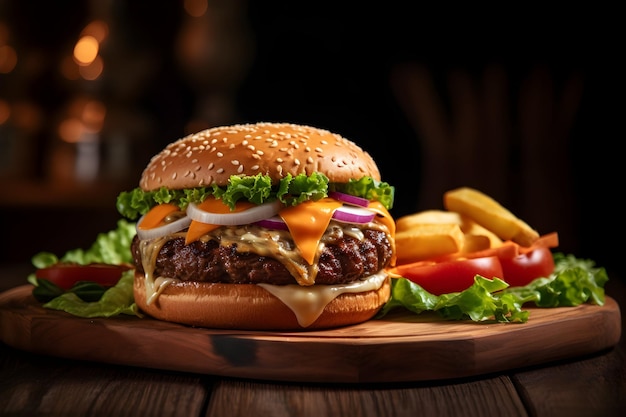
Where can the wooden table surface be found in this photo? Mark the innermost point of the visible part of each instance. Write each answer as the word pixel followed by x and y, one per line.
pixel 32 385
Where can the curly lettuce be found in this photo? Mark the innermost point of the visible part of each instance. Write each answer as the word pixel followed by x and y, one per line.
pixel 291 190
pixel 573 282
pixel 89 299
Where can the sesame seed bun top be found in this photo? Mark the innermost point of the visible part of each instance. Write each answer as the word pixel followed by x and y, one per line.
pixel 275 149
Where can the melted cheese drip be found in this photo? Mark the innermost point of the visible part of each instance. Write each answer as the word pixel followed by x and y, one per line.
pixel 149 250
pixel 307 222
pixel 308 303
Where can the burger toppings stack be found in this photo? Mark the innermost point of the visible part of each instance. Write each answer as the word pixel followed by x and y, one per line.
pixel 261 226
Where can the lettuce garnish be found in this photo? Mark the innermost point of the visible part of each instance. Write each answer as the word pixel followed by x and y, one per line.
pixel 291 190
pixel 573 282
pixel 89 299
pixel 116 300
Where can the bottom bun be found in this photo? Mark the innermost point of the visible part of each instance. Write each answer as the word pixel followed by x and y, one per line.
pixel 250 307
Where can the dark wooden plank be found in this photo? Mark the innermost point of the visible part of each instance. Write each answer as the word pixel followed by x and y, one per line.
pixel 40 385
pixel 595 386
pixel 481 398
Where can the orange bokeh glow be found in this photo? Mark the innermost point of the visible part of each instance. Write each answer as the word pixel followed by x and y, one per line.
pixel 86 50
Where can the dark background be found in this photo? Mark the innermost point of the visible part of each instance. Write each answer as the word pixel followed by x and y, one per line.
pixel 342 68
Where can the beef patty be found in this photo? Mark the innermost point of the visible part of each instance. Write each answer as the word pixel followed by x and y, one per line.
pixel 344 260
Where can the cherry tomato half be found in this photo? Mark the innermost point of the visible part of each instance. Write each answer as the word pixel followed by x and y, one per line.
pixel 451 276
pixel 66 275
pixel 523 268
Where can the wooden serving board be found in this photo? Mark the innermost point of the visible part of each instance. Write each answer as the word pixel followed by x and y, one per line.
pixel 400 347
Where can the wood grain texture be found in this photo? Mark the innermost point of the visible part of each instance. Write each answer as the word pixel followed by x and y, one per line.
pixel 488 397
pixel 35 385
pixel 401 347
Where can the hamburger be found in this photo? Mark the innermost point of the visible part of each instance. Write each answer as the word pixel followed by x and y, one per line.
pixel 266 226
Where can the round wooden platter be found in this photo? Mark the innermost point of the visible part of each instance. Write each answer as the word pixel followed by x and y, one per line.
pixel 400 347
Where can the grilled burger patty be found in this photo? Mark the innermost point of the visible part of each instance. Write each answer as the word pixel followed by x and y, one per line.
pixel 343 259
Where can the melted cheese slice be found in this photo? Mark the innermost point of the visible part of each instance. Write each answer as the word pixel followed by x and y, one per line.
pixel 307 223
pixel 384 216
pixel 308 303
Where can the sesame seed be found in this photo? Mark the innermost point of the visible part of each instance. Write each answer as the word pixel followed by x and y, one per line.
pixel 318 150
pixel 211 165
pixel 221 170
pixel 194 161
pixel 219 154
pixel 254 167
pixel 232 146
pixel 240 169
pixel 174 176
pixel 234 162
pixel 260 152
pixel 309 160
pixel 279 160
pixel 324 142
pixel 296 161
pixel 255 156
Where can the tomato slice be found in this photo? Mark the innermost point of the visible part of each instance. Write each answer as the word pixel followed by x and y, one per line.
pixel 521 269
pixel 65 275
pixel 450 276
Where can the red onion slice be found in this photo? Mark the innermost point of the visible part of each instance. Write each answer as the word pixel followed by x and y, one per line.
pixel 166 229
pixel 349 199
pixel 348 214
pixel 274 222
pixel 248 216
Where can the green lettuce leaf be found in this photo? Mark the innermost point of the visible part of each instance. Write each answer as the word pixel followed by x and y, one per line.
pixel 370 189
pixel 116 300
pixel 573 282
pixel 88 299
pixel 291 190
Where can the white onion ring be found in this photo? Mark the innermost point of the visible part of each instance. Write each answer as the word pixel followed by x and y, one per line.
pixel 349 199
pixel 166 229
pixel 348 214
pixel 248 216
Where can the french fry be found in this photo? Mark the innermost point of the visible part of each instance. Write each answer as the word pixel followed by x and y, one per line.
pixel 471 228
pixel 427 241
pixel 427 217
pixel 477 234
pixel 475 243
pixel 490 214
